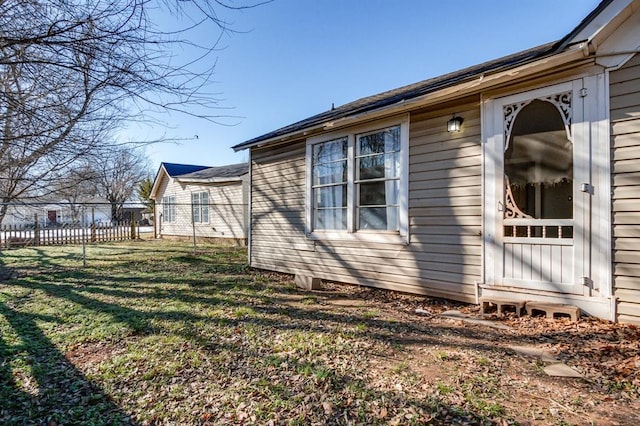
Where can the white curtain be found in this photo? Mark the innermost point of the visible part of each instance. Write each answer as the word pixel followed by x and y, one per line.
pixel 391 170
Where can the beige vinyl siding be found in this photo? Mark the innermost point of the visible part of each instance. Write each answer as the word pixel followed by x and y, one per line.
pixel 227 210
pixel 444 255
pixel 625 157
pixel 158 220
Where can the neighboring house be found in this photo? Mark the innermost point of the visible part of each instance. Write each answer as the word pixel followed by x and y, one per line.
pixel 53 212
pixel 200 201
pixel 535 197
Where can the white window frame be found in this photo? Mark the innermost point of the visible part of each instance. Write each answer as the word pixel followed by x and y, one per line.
pixel 169 209
pixel 199 208
pixel 352 233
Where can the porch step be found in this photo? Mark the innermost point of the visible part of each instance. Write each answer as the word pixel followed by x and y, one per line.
pixel 551 309
pixel 500 304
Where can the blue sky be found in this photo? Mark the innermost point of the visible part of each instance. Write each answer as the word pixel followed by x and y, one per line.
pixel 291 59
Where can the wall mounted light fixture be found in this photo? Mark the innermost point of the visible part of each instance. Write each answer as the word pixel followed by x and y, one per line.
pixel 454 124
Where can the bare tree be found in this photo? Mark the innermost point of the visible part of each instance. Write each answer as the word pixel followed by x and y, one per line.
pixel 119 172
pixel 73 70
pixel 77 188
pixel 49 118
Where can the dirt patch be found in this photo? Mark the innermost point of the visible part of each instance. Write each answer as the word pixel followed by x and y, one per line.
pixel 87 355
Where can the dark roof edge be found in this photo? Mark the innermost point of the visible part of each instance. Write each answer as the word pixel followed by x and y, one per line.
pixel 425 87
pixel 405 92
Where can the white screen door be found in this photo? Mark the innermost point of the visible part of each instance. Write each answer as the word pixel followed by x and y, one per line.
pixel 536 206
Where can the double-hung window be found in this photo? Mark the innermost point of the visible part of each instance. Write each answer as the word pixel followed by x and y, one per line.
pixel 200 207
pixel 357 183
pixel 169 208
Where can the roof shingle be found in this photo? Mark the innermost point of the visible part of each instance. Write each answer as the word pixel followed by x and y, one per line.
pixel 230 171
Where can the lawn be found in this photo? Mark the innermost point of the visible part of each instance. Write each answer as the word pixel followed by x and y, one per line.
pixel 151 333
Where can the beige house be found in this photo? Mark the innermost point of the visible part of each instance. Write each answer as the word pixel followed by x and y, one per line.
pixel 518 178
pixel 201 202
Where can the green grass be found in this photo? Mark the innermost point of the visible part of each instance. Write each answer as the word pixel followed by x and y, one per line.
pixel 151 333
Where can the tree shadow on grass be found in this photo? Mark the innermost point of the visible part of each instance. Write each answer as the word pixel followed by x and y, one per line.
pixel 124 303
pixel 271 310
pixel 65 392
pixel 38 385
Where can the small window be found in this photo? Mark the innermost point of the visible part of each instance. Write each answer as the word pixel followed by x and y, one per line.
pixel 169 208
pixel 200 207
pixel 329 184
pixel 358 183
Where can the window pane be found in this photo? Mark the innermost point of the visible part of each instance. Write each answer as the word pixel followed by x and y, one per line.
pixel 331 196
pixel 196 213
pixel 379 193
pixel 204 200
pixel 330 151
pixel 567 232
pixel 381 218
pixel 324 174
pixel 195 206
pixel 331 219
pixel 383 141
pixel 379 166
pixel 169 208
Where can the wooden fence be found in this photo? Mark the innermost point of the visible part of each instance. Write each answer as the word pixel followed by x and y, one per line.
pixel 15 236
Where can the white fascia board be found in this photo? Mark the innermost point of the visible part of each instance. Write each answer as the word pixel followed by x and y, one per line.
pixel 600 26
pixel 156 182
pixel 623 42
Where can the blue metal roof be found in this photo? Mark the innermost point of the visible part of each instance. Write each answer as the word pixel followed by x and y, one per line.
pixel 174 169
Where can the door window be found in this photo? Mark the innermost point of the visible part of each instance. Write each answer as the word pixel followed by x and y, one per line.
pixel 538 166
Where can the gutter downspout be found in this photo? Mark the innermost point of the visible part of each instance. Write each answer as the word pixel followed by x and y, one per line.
pixel 248 216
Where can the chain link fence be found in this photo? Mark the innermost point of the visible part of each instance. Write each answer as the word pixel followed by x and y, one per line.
pixel 41 224
pixel 201 221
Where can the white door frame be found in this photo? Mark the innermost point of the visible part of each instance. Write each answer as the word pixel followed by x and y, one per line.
pixel 592 270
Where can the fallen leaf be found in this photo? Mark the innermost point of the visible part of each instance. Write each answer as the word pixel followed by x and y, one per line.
pixel 383 413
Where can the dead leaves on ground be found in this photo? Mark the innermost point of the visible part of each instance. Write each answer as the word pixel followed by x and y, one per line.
pixel 235 346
